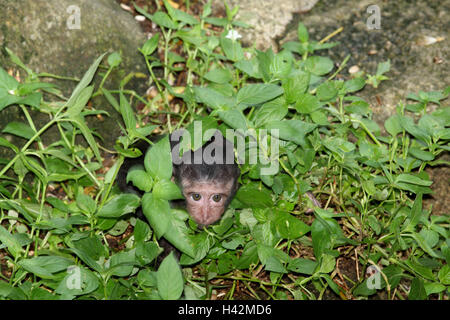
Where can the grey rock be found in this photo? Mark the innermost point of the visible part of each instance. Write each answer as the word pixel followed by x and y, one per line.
pixel 45 36
pixel 268 19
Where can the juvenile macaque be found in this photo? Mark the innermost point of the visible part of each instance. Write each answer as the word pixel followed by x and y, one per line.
pixel 207 177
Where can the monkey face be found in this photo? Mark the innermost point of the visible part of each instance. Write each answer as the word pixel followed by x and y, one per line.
pixel 206 201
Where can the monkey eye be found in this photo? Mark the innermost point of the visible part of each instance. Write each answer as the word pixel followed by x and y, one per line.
pixel 196 196
pixel 217 197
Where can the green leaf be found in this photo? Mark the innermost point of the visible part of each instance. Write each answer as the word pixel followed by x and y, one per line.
pixel 119 205
pixel 202 244
pixel 394 275
pixel 255 197
pixel 263 233
pixel 121 264
pixel 19 129
pixel 408 124
pixel 57 177
pixel 28 88
pixel 157 212
pixel 327 263
pixel 417 291
pixel 338 145
pixel 383 67
pixel 14 58
pixel 358 107
pixel 266 252
pixel 213 98
pixel 7 99
pixel 233 242
pixel 140 178
pixel 363 289
pixel 10 242
pixel 307 103
pixel 252 94
pixel 86 203
pixel 264 61
pixel 114 59
pixel 58 204
pixel 79 122
pixel 184 17
pixel 141 231
pixel 79 281
pixel 7 82
pixel 35 167
pixel 421 154
pixel 90 250
pixel 219 75
pixel 444 275
pixel 158 160
pixel 232 49
pixel 178 235
pixel 145 130
pixel 295 85
pixel 46 266
pixel 319 65
pixel 163 20
pixel 281 64
pixel 111 99
pixel 327 91
pixel 146 252
pixel 179 15
pixel 166 189
pixel 250 67
pixel 248 257
pixel 274 110
pixel 433 287
pixel 5 289
pixel 424 245
pixel 415 212
pixel 302 265
pixel 147 278
pixel 409 178
pixel 7 144
pixel 275 265
pixel 431 237
pixel 324 234
pixel 288 226
pixel 374 224
pixel 169 279
pixel 291 130
pixel 302 33
pixel 206 9
pixel 354 85
pixel 127 113
pixel 150 45
pixel 84 82
pixel 234 118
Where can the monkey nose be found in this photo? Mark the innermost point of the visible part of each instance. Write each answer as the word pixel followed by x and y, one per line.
pixel 204 218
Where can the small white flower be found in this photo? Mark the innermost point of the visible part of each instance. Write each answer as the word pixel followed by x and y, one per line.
pixel 233 35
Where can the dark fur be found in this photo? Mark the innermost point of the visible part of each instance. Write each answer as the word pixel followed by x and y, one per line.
pixel 215 173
